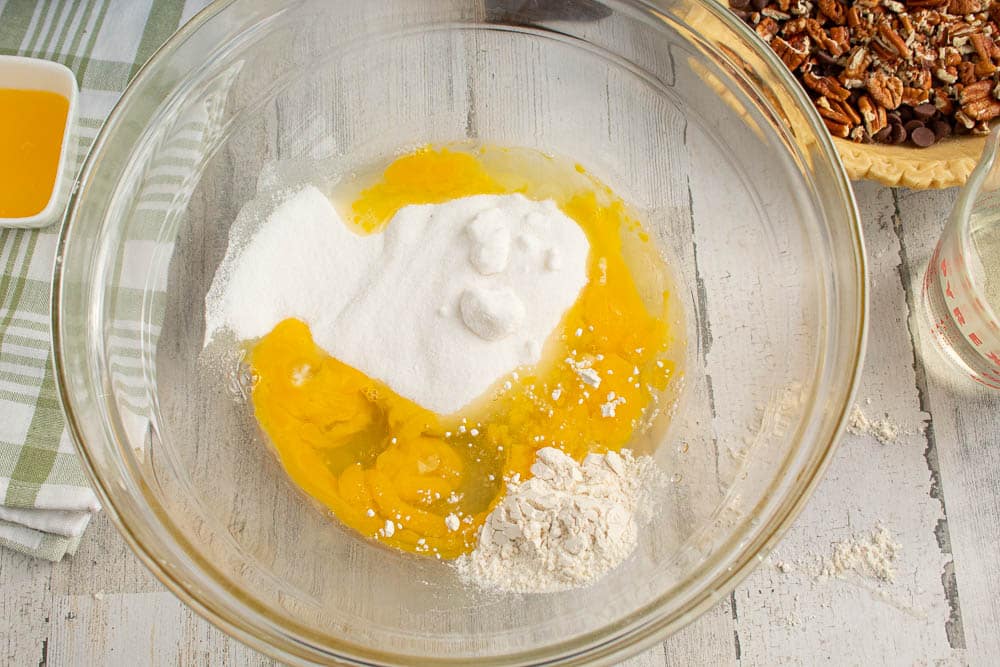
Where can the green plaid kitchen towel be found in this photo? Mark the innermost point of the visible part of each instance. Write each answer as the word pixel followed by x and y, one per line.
pixel 45 500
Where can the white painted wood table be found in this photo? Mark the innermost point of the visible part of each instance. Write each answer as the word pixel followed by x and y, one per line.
pixel 936 489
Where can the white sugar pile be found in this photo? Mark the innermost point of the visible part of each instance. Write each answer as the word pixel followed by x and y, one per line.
pixel 449 298
pixel 567 526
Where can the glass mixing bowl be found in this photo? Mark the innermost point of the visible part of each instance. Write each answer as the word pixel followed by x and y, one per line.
pixel 673 103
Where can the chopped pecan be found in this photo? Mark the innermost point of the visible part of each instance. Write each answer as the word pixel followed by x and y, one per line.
pixel 958 30
pixel 837 129
pixel 784 5
pixel 994 49
pixel 826 85
pixel 943 102
pixel 885 89
pixel 834 115
pixel 874 116
pixel 841 38
pixel 795 26
pixel 915 96
pixel 833 10
pixel 853 17
pixel 859 135
pixel 948 74
pixel 975 91
pixel 767 28
pixel 966 72
pixel 793 56
pixel 857 63
pixel 847 110
pixel 895 41
pixel 962 118
pixel 775 14
pixel 981 45
pixel 904 20
pixel 802 7
pixel 922 79
pixel 883 52
pixel 963 7
pixel 815 30
pixel 985 109
pixel 924 4
pixel 985 68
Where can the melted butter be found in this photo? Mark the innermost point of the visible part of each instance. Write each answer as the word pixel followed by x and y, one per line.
pixel 32 124
pixel 424 482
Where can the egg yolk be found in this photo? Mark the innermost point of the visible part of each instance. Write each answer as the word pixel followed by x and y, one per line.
pixel 424 482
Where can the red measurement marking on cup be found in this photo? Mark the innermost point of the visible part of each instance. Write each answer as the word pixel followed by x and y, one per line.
pixel 944 268
pixel 992 356
pixel 991 375
pixel 959 316
pixel 947 290
pixel 976 340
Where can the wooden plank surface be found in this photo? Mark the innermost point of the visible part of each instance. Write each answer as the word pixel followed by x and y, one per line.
pixel 936 490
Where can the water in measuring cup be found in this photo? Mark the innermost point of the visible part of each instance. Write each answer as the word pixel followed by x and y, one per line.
pixel 984 260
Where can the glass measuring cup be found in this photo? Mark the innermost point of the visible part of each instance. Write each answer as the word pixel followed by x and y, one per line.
pixel 961 289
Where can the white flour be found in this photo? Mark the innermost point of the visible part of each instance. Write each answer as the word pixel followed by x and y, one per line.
pixel 567 526
pixel 446 300
pixel 884 429
pixel 869 555
pixel 873 555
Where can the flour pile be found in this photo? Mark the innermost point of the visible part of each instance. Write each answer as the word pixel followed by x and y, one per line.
pixel 567 526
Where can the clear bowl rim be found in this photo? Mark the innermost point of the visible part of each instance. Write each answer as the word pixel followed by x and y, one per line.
pixel 618 647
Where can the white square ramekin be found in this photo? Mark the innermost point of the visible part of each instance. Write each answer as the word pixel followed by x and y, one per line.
pixel 33 74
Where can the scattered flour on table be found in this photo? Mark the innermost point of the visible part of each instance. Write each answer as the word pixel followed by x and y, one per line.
pixel 448 298
pixel 883 429
pixel 873 555
pixel 567 526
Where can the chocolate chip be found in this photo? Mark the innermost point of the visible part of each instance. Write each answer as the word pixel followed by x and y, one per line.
pixel 912 125
pixel 898 134
pixel 883 135
pixel 825 58
pixel 758 4
pixel 941 129
pixel 739 4
pixel 744 16
pixel 922 137
pixel 924 111
pixel 893 117
pixel 905 114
